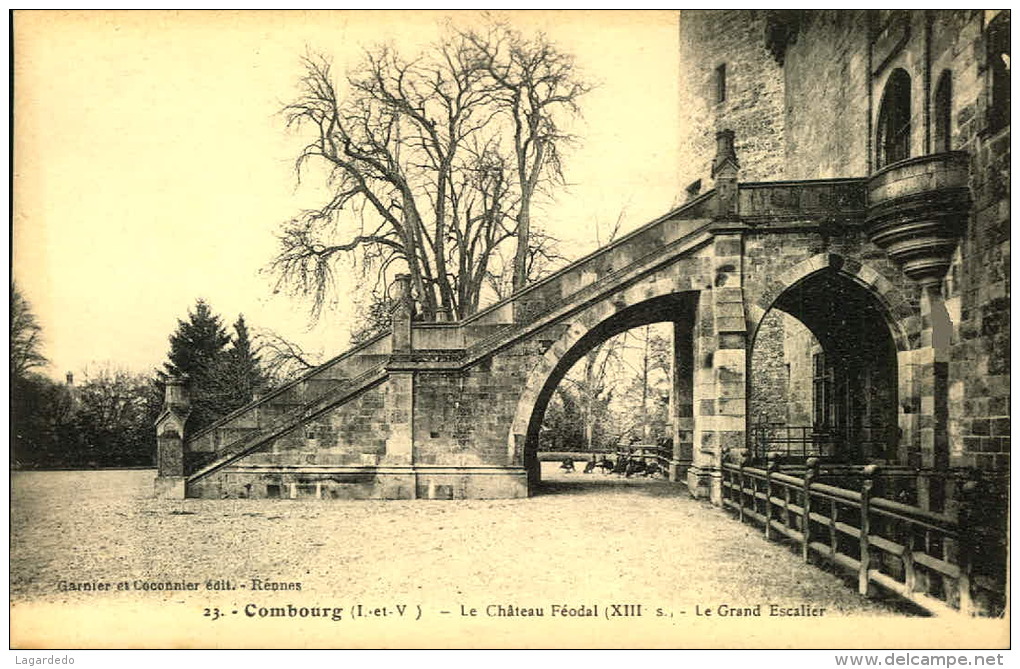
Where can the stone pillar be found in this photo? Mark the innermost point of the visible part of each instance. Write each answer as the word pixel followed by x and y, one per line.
pixel 170 474
pixel 399 401
pixel 400 316
pixel 704 400
pixel 729 362
pixel 400 417
pixel 721 377
pixel 682 400
pixel 909 400
pixel 933 369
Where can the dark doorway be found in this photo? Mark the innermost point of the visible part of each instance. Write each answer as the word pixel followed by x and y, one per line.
pixel 823 381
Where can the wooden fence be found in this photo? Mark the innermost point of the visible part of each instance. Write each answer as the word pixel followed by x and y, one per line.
pixel 648 453
pixel 662 455
pixel 925 557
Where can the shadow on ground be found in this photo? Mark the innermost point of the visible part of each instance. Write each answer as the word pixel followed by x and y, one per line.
pixel 602 484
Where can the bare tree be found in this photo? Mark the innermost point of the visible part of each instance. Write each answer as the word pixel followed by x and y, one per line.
pixel 422 180
pixel 113 398
pixel 535 83
pixel 647 354
pixel 543 259
pixel 595 386
pixel 283 359
pixel 26 337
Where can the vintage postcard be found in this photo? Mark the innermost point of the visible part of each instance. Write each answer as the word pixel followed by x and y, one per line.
pixel 528 329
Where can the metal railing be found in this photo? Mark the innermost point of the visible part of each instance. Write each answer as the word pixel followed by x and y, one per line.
pixel 927 558
pixel 792 441
pixel 800 442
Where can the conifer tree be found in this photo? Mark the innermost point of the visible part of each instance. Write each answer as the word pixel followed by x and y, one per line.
pixel 198 350
pixel 241 375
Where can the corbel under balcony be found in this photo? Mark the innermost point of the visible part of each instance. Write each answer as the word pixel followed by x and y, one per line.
pixel 917 211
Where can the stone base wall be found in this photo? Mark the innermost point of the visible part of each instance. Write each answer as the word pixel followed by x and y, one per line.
pixel 363 483
pixel 462 417
pixel 704 483
pixel 169 487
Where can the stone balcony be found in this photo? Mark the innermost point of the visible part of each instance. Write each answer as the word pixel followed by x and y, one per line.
pixel 917 209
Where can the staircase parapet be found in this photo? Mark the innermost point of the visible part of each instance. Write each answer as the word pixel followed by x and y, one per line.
pixel 378 348
pixel 697 232
pixel 203 465
pixel 437 336
pixel 840 201
pixel 696 209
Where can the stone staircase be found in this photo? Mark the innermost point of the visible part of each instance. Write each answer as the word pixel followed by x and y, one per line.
pixel 364 367
pixel 286 408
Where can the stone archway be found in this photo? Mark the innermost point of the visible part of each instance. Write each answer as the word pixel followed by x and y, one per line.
pixel 597 324
pixel 896 306
pixel 833 392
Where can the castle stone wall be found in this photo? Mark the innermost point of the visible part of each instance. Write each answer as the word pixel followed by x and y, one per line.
pixel 826 97
pixel 753 107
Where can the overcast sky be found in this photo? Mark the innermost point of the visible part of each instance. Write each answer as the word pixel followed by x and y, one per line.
pixel 152 166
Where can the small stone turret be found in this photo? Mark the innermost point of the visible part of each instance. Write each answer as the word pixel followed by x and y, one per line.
pixel 724 170
pixel 400 316
pixel 917 211
pixel 170 439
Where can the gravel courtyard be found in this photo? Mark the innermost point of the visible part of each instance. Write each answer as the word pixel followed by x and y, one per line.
pixel 585 539
pixel 604 536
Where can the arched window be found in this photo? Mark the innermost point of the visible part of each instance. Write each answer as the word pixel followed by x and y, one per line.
pixel 893 140
pixel 943 116
pixel 998 67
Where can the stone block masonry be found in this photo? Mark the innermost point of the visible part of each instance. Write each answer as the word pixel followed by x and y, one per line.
pixel 463 421
pixel 826 104
pixel 753 103
pixel 453 410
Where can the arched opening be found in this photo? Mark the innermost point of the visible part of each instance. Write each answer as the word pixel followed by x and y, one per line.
pixel 942 118
pixel 998 71
pixel 823 380
pixel 893 140
pixel 661 407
